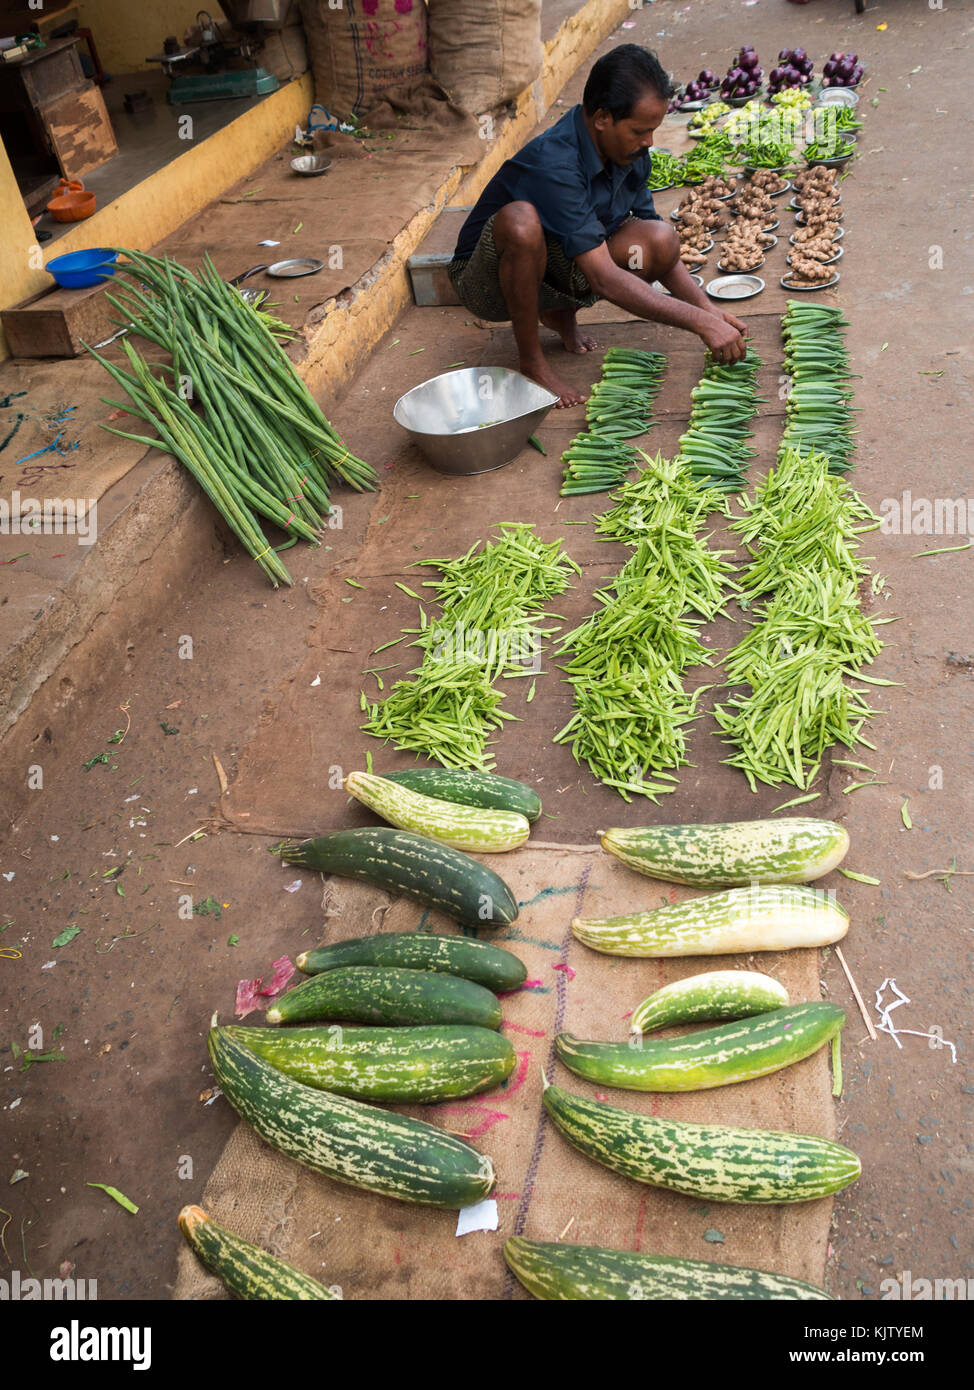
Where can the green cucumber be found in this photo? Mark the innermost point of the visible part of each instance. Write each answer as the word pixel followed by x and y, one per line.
pixel 487 965
pixel 471 789
pixel 551 1270
pixel 412 865
pixel 719 1163
pixel 447 822
pixel 793 849
pixel 347 1140
pixel 717 994
pixel 387 995
pixel 409 1065
pixel 709 1057
pixel 247 1271
pixel 766 918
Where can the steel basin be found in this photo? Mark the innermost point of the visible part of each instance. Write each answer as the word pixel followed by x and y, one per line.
pixel 474 419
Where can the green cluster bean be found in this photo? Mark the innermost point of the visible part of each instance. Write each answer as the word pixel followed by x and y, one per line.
pixel 626 663
pixel 491 601
pixel 445 712
pixel 812 638
pixel 663 510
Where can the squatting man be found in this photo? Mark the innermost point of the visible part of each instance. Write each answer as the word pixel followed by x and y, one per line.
pixel 569 220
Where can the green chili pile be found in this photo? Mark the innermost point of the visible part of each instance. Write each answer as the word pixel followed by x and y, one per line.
pixel 710 155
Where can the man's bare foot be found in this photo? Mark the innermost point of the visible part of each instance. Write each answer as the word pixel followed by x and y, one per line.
pixel 540 372
pixel 564 323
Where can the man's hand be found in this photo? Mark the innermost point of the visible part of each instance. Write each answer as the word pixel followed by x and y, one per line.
pixel 737 323
pixel 724 337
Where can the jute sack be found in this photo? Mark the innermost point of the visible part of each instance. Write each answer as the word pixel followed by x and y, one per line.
pixel 484 52
pixel 285 53
pixel 362 48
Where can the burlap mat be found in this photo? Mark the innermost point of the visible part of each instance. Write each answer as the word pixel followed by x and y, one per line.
pixel 377 1248
pixel 41 392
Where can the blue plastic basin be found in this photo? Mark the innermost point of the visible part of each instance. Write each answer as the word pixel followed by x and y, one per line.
pixel 79 269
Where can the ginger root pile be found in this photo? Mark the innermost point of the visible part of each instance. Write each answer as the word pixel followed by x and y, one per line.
pixel 700 213
pixel 816 236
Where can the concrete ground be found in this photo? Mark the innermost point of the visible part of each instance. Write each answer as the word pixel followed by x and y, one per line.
pixel 135 988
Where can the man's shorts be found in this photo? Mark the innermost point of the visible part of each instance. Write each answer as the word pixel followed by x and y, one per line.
pixel 478 286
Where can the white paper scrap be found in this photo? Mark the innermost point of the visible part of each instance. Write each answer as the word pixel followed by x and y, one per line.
pixel 482 1216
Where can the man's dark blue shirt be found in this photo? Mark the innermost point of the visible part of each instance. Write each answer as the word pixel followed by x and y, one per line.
pixel 579 200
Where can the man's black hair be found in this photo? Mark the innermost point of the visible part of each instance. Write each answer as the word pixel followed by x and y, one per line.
pixel 620 78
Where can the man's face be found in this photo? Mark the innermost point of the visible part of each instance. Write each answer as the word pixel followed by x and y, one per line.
pixel 625 140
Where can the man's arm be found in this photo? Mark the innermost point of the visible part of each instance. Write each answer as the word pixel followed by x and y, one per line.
pixel 609 281
pixel 682 285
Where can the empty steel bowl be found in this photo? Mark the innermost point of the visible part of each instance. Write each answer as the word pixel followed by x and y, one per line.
pixel 311 164
pixel 474 419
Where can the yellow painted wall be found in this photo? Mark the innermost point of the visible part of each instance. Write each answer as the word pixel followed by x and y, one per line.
pixel 125 31
pixel 21 262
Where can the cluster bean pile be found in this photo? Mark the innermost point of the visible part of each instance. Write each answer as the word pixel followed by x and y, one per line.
pixel 491 600
pixel 627 661
pixel 801 660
